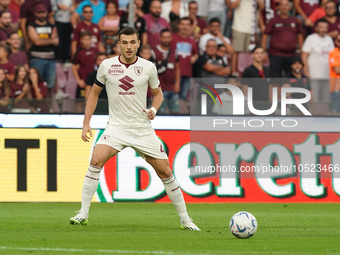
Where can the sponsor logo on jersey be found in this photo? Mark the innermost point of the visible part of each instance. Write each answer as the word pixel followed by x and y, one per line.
pixel 116 66
pixel 138 70
pixel 115 71
pixel 126 84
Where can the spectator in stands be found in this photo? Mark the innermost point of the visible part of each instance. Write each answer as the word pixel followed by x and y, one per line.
pixel 5 26
pixel 304 9
pixel 155 23
pixel 139 22
pixel 83 64
pixel 115 50
pixel 44 38
pixel 139 4
pixel 173 11
pixel 146 52
pixel 168 72
pixel 17 57
pixel 4 6
pixel 38 85
pixel 14 5
pixel 317 13
pixel 212 65
pixel 199 26
pixel 27 16
pixel 20 89
pixel 286 33
pixel 87 24
pixel 5 63
pixel 215 33
pixel 268 12
pixel 244 26
pixel 334 66
pixel 186 48
pixel 109 25
pixel 332 19
pixel 5 91
pixel 97 6
pixel 222 52
pixel 63 10
pixel 256 76
pixel 38 91
pixel 296 79
pixel 100 57
pixel 315 52
pixel 217 9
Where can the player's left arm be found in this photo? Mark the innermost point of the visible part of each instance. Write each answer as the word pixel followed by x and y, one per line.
pixel 156 104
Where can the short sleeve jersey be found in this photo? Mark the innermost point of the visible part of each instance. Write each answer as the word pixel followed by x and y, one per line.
pixel 126 87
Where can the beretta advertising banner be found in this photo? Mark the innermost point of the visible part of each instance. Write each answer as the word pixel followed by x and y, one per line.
pixel 212 166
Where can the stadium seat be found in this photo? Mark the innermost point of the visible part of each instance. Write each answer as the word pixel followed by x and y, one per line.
pixel 243 61
pixel 71 85
pixel 61 76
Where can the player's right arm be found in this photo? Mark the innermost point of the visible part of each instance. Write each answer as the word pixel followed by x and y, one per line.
pixel 91 105
pixel 92 101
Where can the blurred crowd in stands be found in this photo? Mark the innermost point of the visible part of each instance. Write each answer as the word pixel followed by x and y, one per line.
pixel 52 48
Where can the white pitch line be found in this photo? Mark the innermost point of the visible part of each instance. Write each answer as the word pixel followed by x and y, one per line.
pixel 101 251
pixel 156 252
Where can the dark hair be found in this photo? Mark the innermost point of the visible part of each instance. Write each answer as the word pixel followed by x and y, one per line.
pixel 100 54
pixel 220 46
pixel 184 18
pixel 192 2
pixel 322 20
pixel 17 73
pixel 6 48
pixel 87 6
pixel 296 59
pixel 3 12
pixel 5 84
pixel 128 31
pixel 320 2
pixel 40 78
pixel 111 2
pixel 85 33
pixel 164 30
pixel 214 20
pixel 12 33
pixel 257 47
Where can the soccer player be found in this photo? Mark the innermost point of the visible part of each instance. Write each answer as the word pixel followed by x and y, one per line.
pixel 126 78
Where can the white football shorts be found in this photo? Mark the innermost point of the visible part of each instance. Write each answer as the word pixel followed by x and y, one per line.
pixel 143 140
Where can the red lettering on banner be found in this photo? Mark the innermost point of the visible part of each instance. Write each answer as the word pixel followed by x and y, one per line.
pixel 272 146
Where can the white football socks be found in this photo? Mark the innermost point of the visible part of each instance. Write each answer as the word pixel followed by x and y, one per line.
pixel 89 188
pixel 175 194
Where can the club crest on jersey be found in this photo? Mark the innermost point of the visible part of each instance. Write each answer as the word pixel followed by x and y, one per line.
pixel 115 71
pixel 138 70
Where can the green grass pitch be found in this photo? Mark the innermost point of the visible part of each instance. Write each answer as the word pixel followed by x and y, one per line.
pixel 150 228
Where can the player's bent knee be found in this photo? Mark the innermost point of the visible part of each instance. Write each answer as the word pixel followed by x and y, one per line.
pixel 95 161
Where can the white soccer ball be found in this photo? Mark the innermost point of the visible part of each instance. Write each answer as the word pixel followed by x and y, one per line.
pixel 243 225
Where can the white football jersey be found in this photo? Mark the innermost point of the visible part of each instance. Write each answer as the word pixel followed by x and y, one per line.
pixel 126 87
